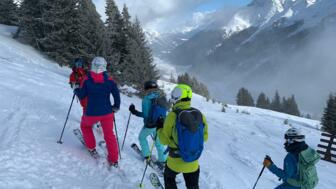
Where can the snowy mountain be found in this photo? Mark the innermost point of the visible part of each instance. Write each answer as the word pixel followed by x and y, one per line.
pixel 163 42
pixel 34 100
pixel 283 42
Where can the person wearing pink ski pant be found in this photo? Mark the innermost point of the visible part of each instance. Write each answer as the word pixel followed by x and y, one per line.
pixel 107 126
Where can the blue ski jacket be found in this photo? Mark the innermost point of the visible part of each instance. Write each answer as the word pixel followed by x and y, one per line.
pixel 98 88
pixel 147 105
pixel 289 171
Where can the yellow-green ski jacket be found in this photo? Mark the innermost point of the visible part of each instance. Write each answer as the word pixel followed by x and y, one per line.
pixel 168 136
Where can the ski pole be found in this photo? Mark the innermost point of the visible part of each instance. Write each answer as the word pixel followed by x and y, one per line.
pixel 66 120
pixel 147 163
pixel 129 118
pixel 261 172
pixel 115 127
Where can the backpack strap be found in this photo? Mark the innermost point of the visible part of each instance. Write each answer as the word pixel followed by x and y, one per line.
pixel 174 152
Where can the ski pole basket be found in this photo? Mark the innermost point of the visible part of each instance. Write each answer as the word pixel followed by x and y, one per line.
pixel 328 147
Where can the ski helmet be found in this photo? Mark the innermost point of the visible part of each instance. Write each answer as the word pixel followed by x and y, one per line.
pixel 78 63
pixel 181 92
pixel 150 85
pixel 98 65
pixel 294 135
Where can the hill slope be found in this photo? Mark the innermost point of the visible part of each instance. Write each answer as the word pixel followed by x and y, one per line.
pixel 34 100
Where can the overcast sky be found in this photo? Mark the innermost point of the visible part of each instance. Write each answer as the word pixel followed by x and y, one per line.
pixel 159 14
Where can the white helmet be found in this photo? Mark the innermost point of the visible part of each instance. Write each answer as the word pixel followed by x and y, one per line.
pixel 294 135
pixel 98 65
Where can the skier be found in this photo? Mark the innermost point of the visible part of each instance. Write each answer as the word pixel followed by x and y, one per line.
pixel 296 175
pixel 183 154
pixel 77 76
pixel 152 93
pixel 97 87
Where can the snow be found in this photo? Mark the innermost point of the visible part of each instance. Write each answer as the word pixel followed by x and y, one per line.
pixel 310 2
pixel 288 14
pixel 35 97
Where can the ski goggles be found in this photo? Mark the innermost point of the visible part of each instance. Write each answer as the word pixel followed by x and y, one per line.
pixel 297 138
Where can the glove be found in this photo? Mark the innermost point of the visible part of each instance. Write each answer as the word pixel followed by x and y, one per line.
pixel 115 109
pixel 132 109
pixel 267 161
pixel 159 123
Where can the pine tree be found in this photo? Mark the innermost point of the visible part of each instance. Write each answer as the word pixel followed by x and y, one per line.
pixel 244 98
pixel 126 32
pixel 126 18
pixel 8 12
pixel 148 70
pixel 293 108
pixel 92 27
pixel 114 37
pixel 138 64
pixel 329 116
pixel 285 106
pixel 31 22
pixel 276 103
pixel 63 29
pixel 263 101
pixel 172 78
pixel 197 86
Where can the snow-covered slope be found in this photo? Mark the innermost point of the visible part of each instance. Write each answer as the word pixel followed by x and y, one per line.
pixel 34 99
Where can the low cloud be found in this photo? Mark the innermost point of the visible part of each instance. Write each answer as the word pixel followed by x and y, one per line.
pixel 154 13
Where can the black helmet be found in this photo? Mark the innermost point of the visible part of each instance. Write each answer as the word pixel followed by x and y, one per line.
pixel 150 85
pixel 78 63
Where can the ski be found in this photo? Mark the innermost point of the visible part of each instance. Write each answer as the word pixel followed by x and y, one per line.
pixel 79 136
pixel 136 148
pixel 152 162
pixel 155 181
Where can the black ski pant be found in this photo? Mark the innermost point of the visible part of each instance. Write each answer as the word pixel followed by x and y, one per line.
pixel 191 179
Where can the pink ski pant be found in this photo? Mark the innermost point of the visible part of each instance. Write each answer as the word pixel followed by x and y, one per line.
pixel 110 139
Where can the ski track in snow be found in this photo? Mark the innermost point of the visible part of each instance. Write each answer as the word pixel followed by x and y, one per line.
pixel 35 98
